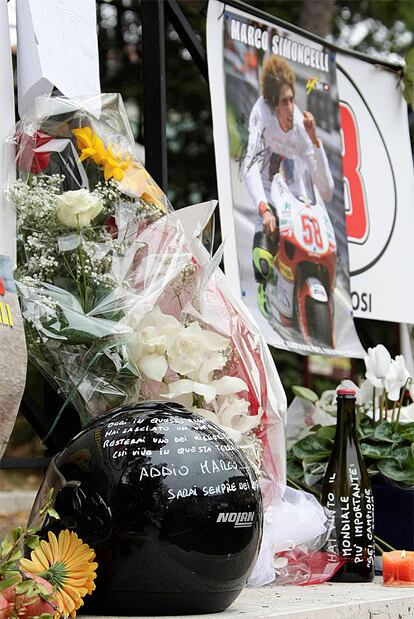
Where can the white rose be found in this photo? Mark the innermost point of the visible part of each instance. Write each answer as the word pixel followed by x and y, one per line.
pixel 196 353
pixel 152 334
pixel 76 209
pixel 232 415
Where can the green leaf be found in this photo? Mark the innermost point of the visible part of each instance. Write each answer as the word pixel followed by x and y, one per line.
pixel 406 430
pixel 16 534
pixel 294 470
pixel 401 467
pixel 409 61
pixel 372 469
pixel 408 73
pixel 377 451
pixel 16 555
pixel 384 432
pixel 314 472
pixel 10 581
pixel 316 427
pixel 41 589
pixel 402 454
pixel 365 429
pixel 6 545
pixel 32 541
pixel 26 587
pixel 327 432
pixel 312 446
pixel 305 393
pixel 53 513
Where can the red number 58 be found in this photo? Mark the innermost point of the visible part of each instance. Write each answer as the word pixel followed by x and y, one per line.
pixel 311 231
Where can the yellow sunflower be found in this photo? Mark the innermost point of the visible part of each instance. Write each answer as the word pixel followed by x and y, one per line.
pixel 90 145
pixel 67 563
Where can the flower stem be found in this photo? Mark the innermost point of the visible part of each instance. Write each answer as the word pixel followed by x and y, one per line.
pixel 407 382
pixel 383 542
pixel 383 403
pixel 394 408
pixel 85 285
pixel 373 407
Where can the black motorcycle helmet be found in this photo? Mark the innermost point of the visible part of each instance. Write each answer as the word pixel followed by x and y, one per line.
pixel 170 505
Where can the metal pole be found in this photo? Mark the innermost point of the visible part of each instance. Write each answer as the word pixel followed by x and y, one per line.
pixel 155 115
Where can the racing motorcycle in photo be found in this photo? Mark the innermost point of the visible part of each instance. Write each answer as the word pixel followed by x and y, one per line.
pixel 296 270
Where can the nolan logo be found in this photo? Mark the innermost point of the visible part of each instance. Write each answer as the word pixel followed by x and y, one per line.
pixel 238 519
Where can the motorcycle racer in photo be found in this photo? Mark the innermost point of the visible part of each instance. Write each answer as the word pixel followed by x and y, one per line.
pixel 278 130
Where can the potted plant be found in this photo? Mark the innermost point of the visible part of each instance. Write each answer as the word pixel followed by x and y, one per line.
pixel 385 413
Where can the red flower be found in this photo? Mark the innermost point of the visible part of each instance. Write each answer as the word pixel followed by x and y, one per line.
pixel 31 157
pixel 13 604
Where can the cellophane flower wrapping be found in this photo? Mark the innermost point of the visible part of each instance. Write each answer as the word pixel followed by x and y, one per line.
pixel 121 302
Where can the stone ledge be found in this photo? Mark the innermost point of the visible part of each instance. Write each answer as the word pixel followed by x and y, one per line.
pixel 327 601
pixel 16 501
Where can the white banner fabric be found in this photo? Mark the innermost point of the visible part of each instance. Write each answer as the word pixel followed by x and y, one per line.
pixel 7 216
pixel 379 190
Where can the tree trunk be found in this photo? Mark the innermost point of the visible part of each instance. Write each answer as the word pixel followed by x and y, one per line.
pixel 316 16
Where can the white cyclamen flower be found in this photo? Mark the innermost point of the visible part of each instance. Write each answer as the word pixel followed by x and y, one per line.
pixel 363 394
pixel 76 209
pixel 232 415
pixel 396 378
pixel 152 335
pixel 377 363
pixel 411 389
pixel 197 353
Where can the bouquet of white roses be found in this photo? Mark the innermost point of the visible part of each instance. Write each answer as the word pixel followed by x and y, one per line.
pixel 119 302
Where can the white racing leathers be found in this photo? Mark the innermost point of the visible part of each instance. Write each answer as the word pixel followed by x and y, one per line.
pixel 268 143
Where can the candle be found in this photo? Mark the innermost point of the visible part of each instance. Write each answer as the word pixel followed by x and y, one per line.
pixel 398 568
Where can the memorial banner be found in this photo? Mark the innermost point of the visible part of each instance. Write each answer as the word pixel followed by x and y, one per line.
pixel 379 189
pixel 280 179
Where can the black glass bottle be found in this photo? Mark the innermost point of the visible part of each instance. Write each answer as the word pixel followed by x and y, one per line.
pixel 346 492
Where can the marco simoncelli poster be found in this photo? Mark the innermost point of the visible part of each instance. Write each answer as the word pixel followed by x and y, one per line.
pixel 279 167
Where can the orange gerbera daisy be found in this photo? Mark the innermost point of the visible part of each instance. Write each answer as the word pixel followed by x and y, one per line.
pixel 67 563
